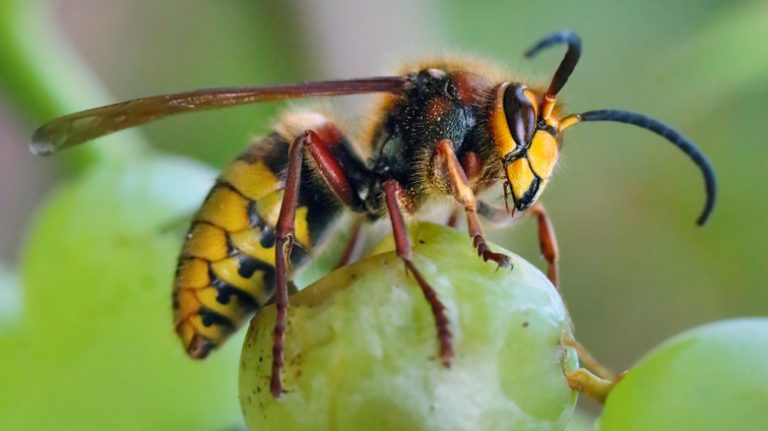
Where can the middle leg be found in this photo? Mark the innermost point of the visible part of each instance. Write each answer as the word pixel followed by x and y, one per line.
pixel 546 233
pixel 352 249
pixel 393 192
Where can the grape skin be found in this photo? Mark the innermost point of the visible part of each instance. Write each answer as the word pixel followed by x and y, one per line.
pixel 361 348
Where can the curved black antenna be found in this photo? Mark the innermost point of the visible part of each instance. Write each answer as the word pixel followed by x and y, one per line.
pixel 569 61
pixel 671 135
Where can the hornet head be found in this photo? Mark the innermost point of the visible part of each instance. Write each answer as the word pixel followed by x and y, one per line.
pixel 526 141
pixel 526 129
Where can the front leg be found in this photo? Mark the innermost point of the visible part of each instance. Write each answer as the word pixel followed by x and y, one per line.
pixel 472 168
pixel 546 233
pixel 462 192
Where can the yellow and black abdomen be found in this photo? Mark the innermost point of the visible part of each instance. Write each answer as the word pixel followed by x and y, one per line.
pixel 226 269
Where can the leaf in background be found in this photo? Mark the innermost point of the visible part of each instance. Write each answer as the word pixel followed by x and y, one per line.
pixel 730 51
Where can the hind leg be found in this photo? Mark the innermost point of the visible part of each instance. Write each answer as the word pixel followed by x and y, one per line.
pixel 323 147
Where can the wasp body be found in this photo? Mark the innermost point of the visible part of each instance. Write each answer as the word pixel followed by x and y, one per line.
pixel 226 270
pixel 444 129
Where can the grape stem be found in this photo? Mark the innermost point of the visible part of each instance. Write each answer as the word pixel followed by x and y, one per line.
pixel 593 379
pixel 584 381
pixel 587 359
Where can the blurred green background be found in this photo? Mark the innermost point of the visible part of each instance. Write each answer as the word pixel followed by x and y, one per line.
pixel 635 269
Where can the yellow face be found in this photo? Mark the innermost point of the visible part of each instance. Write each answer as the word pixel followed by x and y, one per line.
pixel 526 142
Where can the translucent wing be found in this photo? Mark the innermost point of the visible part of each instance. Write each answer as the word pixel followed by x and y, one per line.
pixel 74 129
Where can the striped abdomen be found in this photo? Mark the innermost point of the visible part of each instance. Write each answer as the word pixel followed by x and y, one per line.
pixel 226 268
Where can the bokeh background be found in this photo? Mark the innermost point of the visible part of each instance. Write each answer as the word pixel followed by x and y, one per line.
pixel 635 268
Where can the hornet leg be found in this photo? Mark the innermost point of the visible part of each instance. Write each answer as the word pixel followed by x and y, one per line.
pixel 547 238
pixel 334 176
pixel 471 164
pixel 453 218
pixel 352 250
pixel 464 195
pixel 548 244
pixel 549 249
pixel 392 193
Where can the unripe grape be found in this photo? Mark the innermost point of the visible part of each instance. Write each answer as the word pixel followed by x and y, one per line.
pixel 361 347
pixel 710 378
pixel 96 348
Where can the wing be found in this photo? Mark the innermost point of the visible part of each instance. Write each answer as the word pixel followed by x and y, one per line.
pixel 74 129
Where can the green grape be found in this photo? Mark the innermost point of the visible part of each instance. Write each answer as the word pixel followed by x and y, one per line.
pixel 713 377
pixel 96 348
pixel 361 347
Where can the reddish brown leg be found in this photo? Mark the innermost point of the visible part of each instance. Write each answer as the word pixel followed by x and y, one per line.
pixel 547 237
pixel 548 244
pixel 339 184
pixel 472 167
pixel 453 219
pixel 466 197
pixel 284 231
pixel 597 386
pixel 352 250
pixel 392 193
pixel 319 146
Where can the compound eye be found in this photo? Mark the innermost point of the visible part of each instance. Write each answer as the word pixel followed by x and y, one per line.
pixel 521 115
